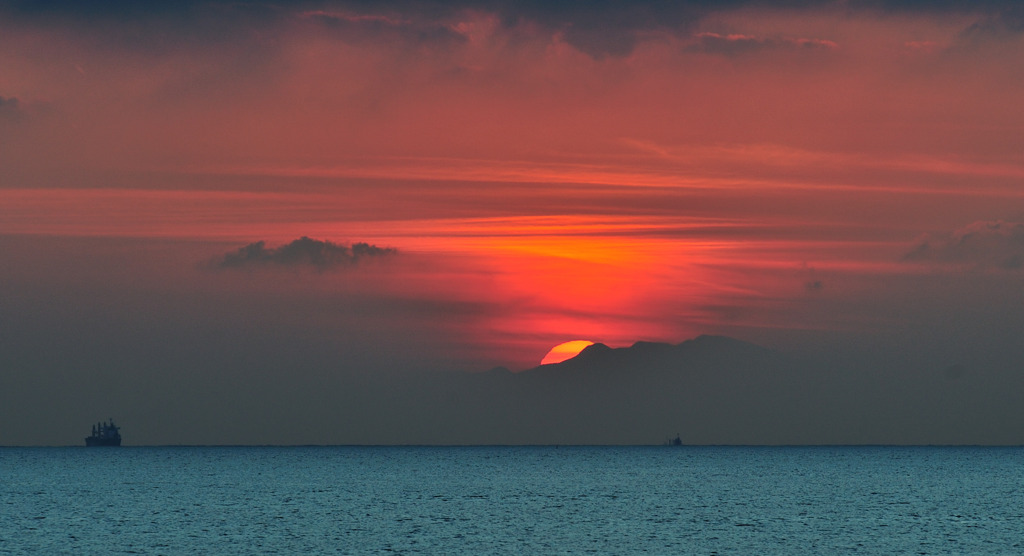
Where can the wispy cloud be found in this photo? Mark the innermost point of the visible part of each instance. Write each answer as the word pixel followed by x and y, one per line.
pixel 736 44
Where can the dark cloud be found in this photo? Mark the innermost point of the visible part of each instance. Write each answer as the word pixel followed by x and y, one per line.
pixel 732 45
pixel 996 18
pixel 9 108
pixel 607 28
pixel 1006 23
pixel 993 244
pixel 355 27
pixel 932 6
pixel 99 8
pixel 303 252
pixel 153 28
pixel 599 28
pixel 603 28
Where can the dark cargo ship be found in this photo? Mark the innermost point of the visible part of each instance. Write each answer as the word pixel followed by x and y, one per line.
pixel 104 434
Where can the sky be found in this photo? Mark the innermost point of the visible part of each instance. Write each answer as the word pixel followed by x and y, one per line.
pixel 216 212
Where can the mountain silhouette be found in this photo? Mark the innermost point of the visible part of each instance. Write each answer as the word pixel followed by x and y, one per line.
pixel 650 355
pixel 711 389
pixel 708 390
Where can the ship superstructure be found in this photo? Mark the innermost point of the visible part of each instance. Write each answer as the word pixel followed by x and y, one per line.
pixel 104 434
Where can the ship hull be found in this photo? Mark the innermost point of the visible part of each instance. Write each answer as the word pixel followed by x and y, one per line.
pixel 90 441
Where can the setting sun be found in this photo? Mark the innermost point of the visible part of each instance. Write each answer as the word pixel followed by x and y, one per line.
pixel 564 351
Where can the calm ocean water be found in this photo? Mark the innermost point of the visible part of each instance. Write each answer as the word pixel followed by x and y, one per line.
pixel 534 500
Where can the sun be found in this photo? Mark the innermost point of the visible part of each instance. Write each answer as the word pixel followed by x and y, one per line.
pixel 564 351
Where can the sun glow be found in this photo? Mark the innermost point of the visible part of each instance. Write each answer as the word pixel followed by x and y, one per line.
pixel 564 351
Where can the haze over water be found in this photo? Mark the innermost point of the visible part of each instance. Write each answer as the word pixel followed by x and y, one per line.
pixel 534 500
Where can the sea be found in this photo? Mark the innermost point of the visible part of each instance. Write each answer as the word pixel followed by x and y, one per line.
pixel 512 500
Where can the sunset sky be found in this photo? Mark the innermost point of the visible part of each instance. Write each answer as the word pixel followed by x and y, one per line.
pixel 834 177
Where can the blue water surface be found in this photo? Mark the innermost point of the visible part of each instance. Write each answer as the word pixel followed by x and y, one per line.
pixel 534 500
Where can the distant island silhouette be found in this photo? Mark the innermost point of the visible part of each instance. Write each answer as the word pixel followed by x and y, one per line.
pixel 712 390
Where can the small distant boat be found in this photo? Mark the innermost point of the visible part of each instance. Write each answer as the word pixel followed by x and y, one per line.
pixel 104 434
pixel 675 441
